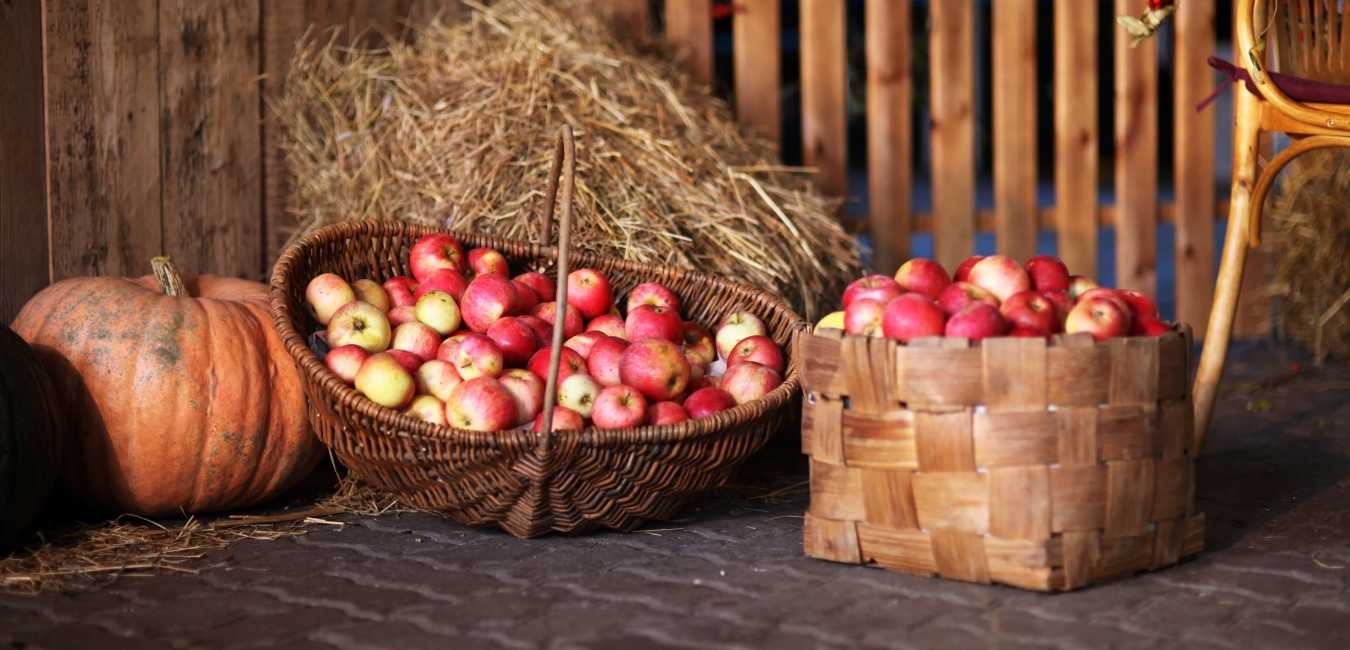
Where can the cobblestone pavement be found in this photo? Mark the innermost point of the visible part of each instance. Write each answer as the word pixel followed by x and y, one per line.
pixel 1274 482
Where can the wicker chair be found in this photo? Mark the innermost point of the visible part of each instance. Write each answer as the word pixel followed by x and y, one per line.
pixel 1312 46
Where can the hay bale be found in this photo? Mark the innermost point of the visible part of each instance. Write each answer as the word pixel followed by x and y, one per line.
pixel 457 127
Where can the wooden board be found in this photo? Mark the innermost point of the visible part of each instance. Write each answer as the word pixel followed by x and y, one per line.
pixel 689 31
pixel 890 162
pixel 24 263
pixel 1136 114
pixel 631 18
pixel 951 75
pixel 1193 162
pixel 1014 139
pixel 824 88
pixel 1076 135
pixel 758 57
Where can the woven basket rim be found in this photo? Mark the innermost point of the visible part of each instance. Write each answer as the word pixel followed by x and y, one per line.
pixel 387 419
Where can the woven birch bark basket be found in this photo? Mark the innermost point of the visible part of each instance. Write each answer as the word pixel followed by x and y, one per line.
pixel 1046 465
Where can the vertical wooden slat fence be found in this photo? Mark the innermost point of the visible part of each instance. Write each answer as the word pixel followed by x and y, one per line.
pixel 952 71
pixel 1193 162
pixel 824 92
pixel 24 261
pixel 1014 100
pixel 1076 134
pixel 1136 117
pixel 758 61
pixel 890 94
pixel 689 30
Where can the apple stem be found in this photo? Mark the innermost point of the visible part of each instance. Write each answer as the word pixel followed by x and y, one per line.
pixel 170 280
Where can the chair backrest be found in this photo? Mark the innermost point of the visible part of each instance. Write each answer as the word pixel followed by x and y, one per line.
pixel 1312 38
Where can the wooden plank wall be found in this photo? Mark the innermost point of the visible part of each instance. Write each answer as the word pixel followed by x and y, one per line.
pixel 24 263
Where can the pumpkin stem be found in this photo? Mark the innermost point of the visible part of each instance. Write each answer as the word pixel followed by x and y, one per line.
pixel 170 280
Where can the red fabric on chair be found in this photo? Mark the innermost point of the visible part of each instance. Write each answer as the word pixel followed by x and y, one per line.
pixel 1298 89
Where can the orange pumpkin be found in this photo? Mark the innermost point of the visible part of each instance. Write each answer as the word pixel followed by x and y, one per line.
pixel 181 398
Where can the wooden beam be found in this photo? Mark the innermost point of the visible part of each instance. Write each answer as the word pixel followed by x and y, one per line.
pixel 824 93
pixel 890 141
pixel 689 31
pixel 758 57
pixel 1193 163
pixel 24 254
pixel 1014 99
pixel 952 85
pixel 1136 127
pixel 1076 134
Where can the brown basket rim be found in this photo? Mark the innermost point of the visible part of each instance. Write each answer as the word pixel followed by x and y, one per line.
pixel 1175 330
pixel 387 419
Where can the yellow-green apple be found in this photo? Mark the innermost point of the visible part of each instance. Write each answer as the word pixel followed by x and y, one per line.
pixel 653 322
pixel 583 342
pixel 880 288
pixel 448 350
pixel 326 294
pixel 748 381
pixel 402 314
pixel 656 367
pixel 962 273
pixel 1100 316
pixel 417 338
pixel 488 261
pixel 400 290
pixel 1000 275
pixel 1149 327
pixel 655 294
pixel 448 280
pixel 922 275
pixel 478 356
pixel 408 360
pixel 541 329
pixel 698 342
pixel 959 294
pixel 578 392
pixel 832 321
pixel 487 298
pixel 608 324
pixel 1060 299
pixel 1030 310
pixel 563 419
pixel 516 340
pixel 369 291
pixel 706 401
pixel 437 378
pixel 527 389
pixel 663 413
pixel 976 321
pixel 542 286
pixel 909 317
pixel 603 361
pixel 735 327
pixel 588 290
pixel 1079 285
pixel 481 404
pixel 427 408
pixel 526 298
pixel 863 317
pixel 439 311
pixel 569 363
pixel 619 406
pixel 573 324
pixel 345 361
pixel 361 323
pixel 760 349
pixel 435 251
pixel 383 380
pixel 1048 273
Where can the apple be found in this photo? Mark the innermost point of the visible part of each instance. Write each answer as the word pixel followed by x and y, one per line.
pixel 563 419
pixel 583 342
pixel 653 322
pixel 760 349
pixel 543 287
pixel 1060 299
pixel 619 406
pixel 1080 284
pixel 1113 295
pixel 603 361
pixel 1027 332
pixel 481 404
pixel 697 368
pixel 656 367
pixel 326 294
pixel 1048 273
pixel 569 363
pixel 922 275
pixel 402 314
pixel 528 391
pixel 748 381
pixel 959 294
pixel 408 360
pixel 698 342
pixel 487 298
pixel 478 356
pixel 361 323
pixel 1148 327
pixel 663 413
pixel 1100 316
pixel 435 251
pixel 1000 275
pixel 735 327
pixel 417 338
pixel 383 380
pixel 832 321
pixel 488 261
pixel 589 292
pixel 516 340
pixel 572 321
pixel 654 294
pixel 706 381
pixel 368 291
pixel 437 378
pixel 706 401
pixel 864 317
pixel 962 273
pixel 400 290
pixel 450 346
pixel 345 361
pixel 909 317
pixel 880 288
pixel 609 324
pixel 1141 306
pixel 439 311
pixel 976 321
pixel 526 298
pixel 427 408
pixel 578 392
pixel 448 280
pixel 1030 310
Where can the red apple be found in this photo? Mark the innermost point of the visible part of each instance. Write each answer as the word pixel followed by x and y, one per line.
pixel 1048 273
pixel 736 327
pixel 748 381
pixel 400 290
pixel 437 378
pixel 1100 316
pixel 1060 299
pixel 761 350
pixel 1079 285
pixel 481 404
pixel 569 363
pixel 427 408
pixel 698 342
pixel 448 280
pixel 448 350
pixel 697 368
pixel 873 287
pixel 515 339
pixel 976 321
pixel 706 381
pixel 656 367
pixel 1027 332
pixel 1113 295
pixel 528 391
pixel 922 275
pixel 360 323
pixel 589 291
pixel 572 321
pixel 345 361
pixel 962 273
pixel 526 298
pixel 439 311
pixel 402 314
pixel 863 317
pixel 367 290
pixel 1148 327
pixel 408 360
pixel 959 294
pixel 603 361
pixel 619 406
pixel 578 392
pixel 609 324
pixel 326 294
pixel 909 317
pixel 653 322
pixel 654 294
pixel 563 419
pixel 1030 310
pixel 706 401
pixel 418 339
pixel 663 413
pixel 488 261
pixel 478 356
pixel 1000 275
pixel 541 329
pixel 543 287
pixel 383 380
pixel 1141 306
pixel 435 251
pixel 583 342
pixel 487 298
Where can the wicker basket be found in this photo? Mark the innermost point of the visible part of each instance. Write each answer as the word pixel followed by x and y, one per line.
pixel 527 483
pixel 1042 465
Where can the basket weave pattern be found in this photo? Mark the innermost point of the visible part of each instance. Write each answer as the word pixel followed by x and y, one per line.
pixel 1042 465
pixel 616 478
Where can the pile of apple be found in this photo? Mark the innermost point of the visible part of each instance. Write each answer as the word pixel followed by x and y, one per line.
pixel 991 296
pixel 464 343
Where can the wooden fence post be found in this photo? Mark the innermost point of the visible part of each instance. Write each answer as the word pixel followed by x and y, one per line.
pixel 1076 134
pixel 890 141
pixel 1193 163
pixel 1014 99
pixel 24 263
pixel 758 56
pixel 951 76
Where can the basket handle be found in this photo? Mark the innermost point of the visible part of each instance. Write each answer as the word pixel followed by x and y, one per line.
pixel 564 160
